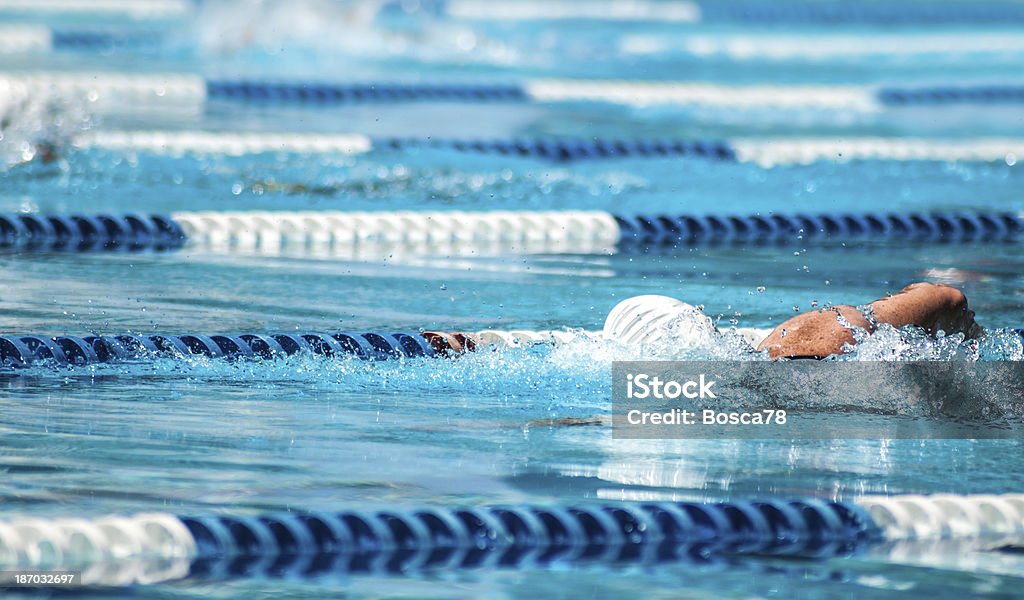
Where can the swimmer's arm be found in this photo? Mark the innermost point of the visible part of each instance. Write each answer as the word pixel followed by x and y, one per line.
pixel 933 307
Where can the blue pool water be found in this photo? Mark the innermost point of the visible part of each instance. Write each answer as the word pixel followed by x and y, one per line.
pixel 502 427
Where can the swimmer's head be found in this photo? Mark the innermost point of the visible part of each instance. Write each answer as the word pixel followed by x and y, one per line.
pixel 645 320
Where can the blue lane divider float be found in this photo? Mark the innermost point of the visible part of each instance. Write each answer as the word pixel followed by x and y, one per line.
pixel 573 149
pixel 464 537
pixel 101 39
pixel 558 231
pixel 253 91
pixel 311 544
pixel 82 233
pixel 24 350
pixel 976 94
pixel 660 230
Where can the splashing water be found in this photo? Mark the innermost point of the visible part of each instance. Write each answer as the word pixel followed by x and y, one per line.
pixel 574 375
pixel 35 126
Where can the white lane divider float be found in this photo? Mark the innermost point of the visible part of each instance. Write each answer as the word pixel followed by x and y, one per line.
pixel 109 91
pixel 265 229
pixel 672 11
pixel 734 96
pixel 136 9
pixel 769 152
pixel 23 39
pixel 221 142
pixel 816 47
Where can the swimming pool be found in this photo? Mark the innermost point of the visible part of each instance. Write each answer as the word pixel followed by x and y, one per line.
pixel 516 426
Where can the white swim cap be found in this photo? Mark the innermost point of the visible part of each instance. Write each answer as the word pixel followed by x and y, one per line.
pixel 650 319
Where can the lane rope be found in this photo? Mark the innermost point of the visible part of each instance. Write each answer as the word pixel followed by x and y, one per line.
pixel 132 88
pixel 230 546
pixel 19 351
pixel 765 152
pixel 439 232
pixel 25 38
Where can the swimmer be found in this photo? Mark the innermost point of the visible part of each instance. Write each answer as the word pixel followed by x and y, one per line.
pixel 816 334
